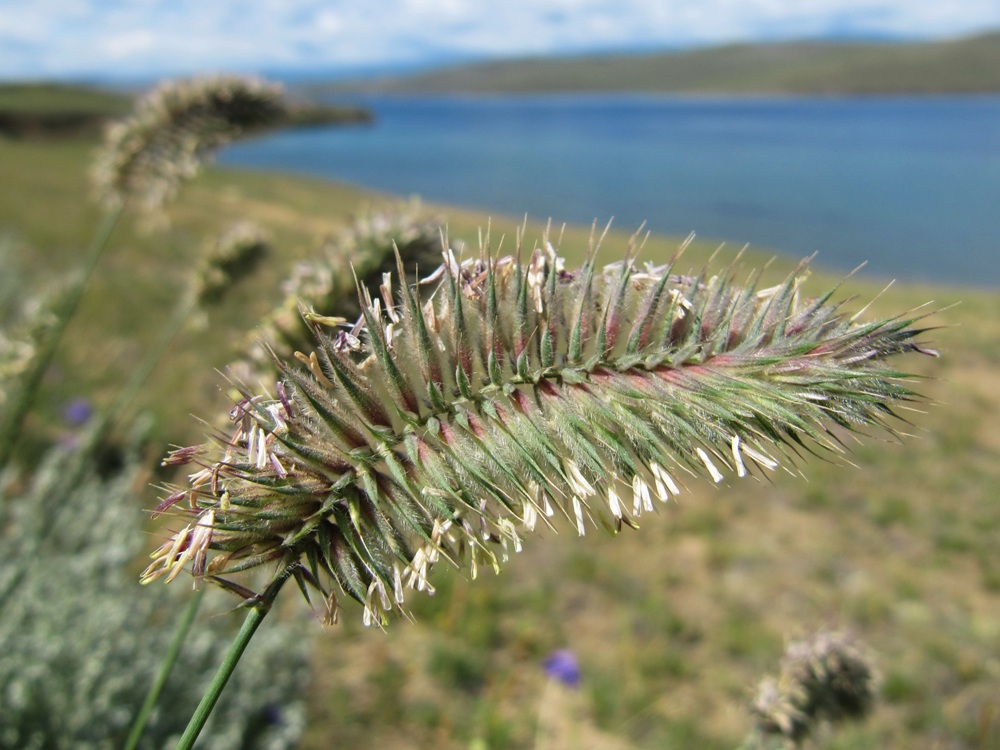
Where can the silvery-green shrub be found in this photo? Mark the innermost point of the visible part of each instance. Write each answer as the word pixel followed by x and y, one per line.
pixel 82 642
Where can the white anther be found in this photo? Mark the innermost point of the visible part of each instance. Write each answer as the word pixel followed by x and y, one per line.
pixel 716 474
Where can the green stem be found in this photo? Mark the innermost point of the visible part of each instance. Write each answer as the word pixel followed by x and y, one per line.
pixel 166 666
pixel 10 429
pixel 258 610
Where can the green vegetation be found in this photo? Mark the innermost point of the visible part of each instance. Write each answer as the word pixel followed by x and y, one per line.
pixel 56 110
pixel 48 97
pixel 963 66
pixel 673 624
pixel 33 110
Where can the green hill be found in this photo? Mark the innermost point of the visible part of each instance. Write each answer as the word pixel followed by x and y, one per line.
pixel 34 109
pixel 969 65
pixel 45 109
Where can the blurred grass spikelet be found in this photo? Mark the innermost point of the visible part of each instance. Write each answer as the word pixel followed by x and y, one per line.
pixel 27 321
pixel 24 321
pixel 326 287
pixel 827 678
pixel 512 395
pixel 146 156
pixel 19 343
pixel 228 258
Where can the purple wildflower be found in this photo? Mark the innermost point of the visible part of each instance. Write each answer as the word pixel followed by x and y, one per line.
pixel 561 665
pixel 77 412
pixel 273 715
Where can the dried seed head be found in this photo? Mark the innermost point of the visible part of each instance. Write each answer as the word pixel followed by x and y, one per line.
pixel 825 678
pixel 25 324
pixel 146 156
pixel 231 256
pixel 516 393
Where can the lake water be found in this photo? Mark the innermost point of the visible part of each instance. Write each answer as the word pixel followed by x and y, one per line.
pixel 910 185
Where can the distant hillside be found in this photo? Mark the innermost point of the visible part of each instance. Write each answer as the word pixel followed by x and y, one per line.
pixel 45 109
pixel 56 110
pixel 962 66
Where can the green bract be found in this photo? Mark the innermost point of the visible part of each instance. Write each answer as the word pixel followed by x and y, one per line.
pixel 445 424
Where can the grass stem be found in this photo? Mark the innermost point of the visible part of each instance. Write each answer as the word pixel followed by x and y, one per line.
pixel 258 611
pixel 166 666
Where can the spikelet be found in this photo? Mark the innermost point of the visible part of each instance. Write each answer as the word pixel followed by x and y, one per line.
pixel 25 324
pixel 146 156
pixel 827 678
pixel 323 290
pixel 19 344
pixel 517 394
pixel 227 259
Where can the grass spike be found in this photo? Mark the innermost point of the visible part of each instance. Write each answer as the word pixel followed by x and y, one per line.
pixel 589 382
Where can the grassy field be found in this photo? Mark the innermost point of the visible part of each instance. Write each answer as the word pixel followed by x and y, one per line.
pixel 959 66
pixel 673 624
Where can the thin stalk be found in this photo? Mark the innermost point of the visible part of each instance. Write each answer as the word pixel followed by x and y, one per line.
pixel 166 667
pixel 258 610
pixel 10 429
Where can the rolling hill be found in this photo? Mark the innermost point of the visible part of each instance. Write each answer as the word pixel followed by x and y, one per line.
pixel 968 65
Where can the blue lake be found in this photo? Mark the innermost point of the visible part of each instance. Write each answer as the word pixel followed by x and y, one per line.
pixel 910 185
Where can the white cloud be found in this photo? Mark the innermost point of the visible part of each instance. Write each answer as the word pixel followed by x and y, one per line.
pixel 329 22
pixel 130 44
pixel 74 37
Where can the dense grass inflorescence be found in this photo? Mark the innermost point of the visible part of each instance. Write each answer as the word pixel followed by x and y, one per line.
pixel 827 678
pixel 147 155
pixel 26 323
pixel 446 423
pixel 228 258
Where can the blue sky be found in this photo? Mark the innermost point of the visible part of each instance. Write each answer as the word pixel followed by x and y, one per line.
pixel 141 38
